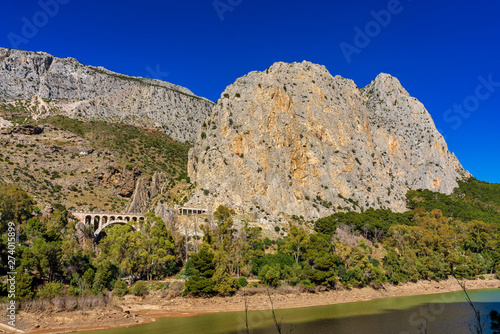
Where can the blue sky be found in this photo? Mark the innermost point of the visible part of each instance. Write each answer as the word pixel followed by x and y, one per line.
pixel 446 54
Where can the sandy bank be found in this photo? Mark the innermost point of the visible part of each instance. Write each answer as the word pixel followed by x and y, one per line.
pixel 134 310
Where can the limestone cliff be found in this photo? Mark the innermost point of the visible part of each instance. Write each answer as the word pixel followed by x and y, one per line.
pixel 145 191
pixel 296 140
pixel 44 85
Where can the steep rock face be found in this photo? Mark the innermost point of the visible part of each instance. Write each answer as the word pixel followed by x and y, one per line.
pixel 167 214
pixel 121 181
pixel 48 85
pixel 295 140
pixel 145 191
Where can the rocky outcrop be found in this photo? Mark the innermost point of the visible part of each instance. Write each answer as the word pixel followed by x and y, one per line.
pixel 121 180
pixel 39 84
pixel 47 211
pixel 295 140
pixel 166 213
pixel 145 191
pixel 5 123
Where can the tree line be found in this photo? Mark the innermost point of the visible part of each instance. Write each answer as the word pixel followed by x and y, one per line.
pixel 437 238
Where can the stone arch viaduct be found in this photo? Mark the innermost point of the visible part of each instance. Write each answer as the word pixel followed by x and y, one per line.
pixel 102 220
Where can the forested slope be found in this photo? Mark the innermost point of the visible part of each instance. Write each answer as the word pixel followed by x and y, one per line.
pixel 442 236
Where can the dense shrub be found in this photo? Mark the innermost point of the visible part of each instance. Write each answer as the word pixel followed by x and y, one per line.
pixel 49 290
pixel 140 288
pixel 120 289
pixel 241 282
pixel 270 275
pixel 200 286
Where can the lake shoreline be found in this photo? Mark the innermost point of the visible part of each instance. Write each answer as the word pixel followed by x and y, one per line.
pixel 132 310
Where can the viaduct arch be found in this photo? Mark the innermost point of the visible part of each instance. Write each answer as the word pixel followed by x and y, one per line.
pixel 102 220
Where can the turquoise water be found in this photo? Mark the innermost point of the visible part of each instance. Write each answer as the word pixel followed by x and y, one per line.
pixel 441 313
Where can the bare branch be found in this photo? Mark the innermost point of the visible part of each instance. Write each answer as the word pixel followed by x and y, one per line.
pixel 246 311
pixel 276 323
pixel 478 327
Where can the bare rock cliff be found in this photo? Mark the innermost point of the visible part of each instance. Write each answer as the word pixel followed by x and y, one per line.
pixel 44 85
pixel 296 140
pixel 145 192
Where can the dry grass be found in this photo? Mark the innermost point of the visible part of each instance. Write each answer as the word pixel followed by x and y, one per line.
pixel 288 290
pixel 251 291
pixel 67 303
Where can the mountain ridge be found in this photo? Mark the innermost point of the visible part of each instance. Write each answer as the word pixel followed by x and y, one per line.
pixel 42 85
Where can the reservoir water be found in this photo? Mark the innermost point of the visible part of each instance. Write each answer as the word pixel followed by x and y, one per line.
pixel 440 313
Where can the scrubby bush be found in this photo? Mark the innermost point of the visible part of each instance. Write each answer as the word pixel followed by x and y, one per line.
pixel 49 290
pixel 140 289
pixel 120 289
pixel 241 282
pixel 175 289
pixel 307 284
pixel 200 286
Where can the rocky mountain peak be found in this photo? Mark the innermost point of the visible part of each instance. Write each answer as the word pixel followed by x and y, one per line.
pixel 385 84
pixel 295 140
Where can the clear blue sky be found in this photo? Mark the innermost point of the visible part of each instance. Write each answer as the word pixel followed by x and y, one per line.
pixel 438 50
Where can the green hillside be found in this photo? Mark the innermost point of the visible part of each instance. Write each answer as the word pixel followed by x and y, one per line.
pixel 87 165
